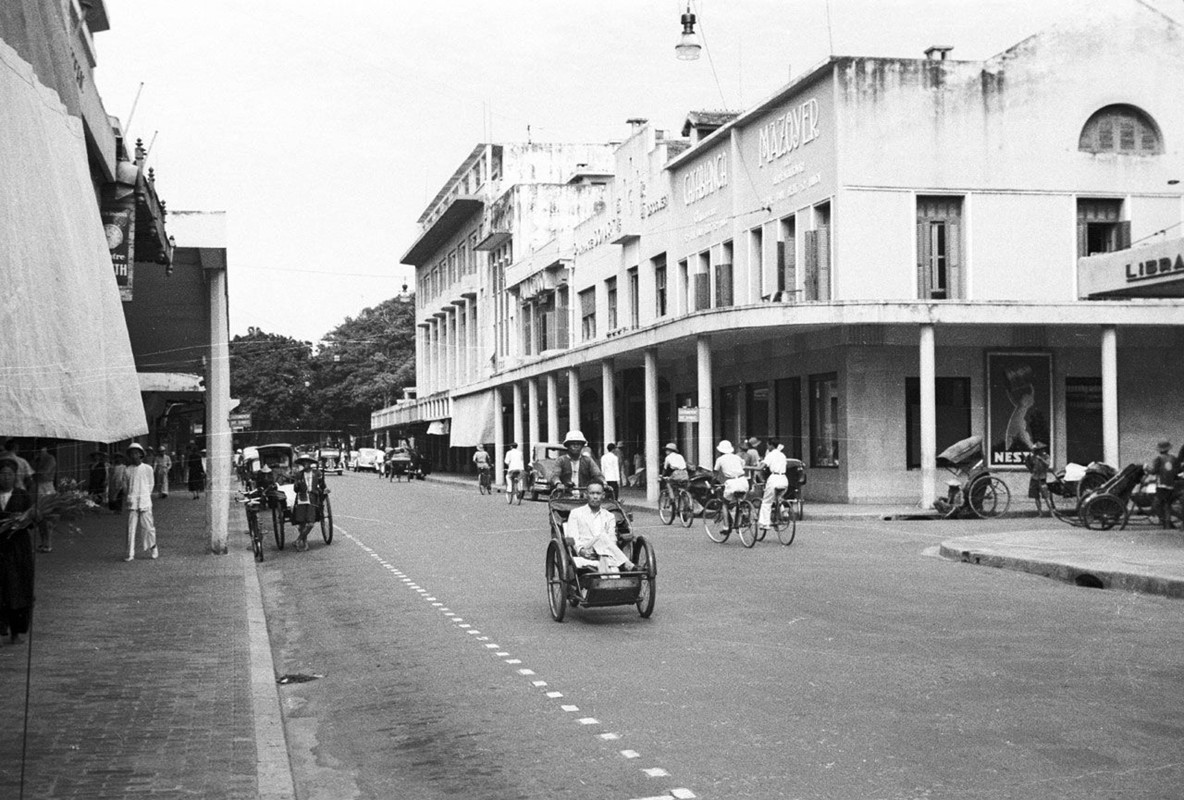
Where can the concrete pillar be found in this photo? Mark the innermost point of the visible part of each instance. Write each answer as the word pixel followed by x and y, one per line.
pixel 609 403
pixel 518 421
pixel 421 361
pixel 1110 395
pixel 705 392
pixel 928 381
pixel 499 438
pixel 553 432
pixel 446 351
pixel 433 346
pixel 471 339
pixel 218 436
pixel 461 342
pixel 652 465
pixel 532 410
pixel 573 400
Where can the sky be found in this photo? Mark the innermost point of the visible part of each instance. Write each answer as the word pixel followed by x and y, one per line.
pixel 323 129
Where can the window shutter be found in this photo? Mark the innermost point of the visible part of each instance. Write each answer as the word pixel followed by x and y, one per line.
pixel 702 291
pixel 810 256
pixel 1124 235
pixel 791 266
pixel 1082 239
pixel 923 259
pixel 823 263
pixel 954 259
pixel 723 285
pixel 780 284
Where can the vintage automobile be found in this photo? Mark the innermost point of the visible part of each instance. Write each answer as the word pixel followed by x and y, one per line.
pixel 330 459
pixel 369 459
pixel 543 470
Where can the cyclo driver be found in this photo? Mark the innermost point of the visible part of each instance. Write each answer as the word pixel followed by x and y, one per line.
pixel 482 460
pixel 577 469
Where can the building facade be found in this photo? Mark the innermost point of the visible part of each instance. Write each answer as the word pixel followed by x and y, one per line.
pixel 886 256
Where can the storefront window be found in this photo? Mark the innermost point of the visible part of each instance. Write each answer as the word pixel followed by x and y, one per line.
pixel 789 415
pixel 952 397
pixel 824 420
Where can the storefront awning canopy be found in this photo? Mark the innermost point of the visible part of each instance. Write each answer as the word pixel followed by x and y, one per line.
pixel 66 368
pixel 1152 270
pixel 472 420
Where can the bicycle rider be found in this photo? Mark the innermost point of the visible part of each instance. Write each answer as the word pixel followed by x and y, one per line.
pixel 775 463
pixel 729 468
pixel 484 464
pixel 674 469
pixel 514 468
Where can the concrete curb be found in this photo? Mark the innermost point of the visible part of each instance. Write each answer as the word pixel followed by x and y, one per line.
pixel 1069 570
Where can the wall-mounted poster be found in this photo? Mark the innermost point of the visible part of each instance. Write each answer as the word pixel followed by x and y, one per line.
pixel 1019 406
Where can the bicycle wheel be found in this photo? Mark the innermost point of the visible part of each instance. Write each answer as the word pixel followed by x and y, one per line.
pixel 685 507
pixel 786 523
pixel 989 497
pixel 716 520
pixel 665 507
pixel 511 490
pixel 277 524
pixel 746 522
pixel 1102 512
pixel 256 534
pixel 646 562
pixel 327 521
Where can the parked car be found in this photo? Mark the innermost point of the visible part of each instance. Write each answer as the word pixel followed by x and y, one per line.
pixel 369 459
pixel 399 464
pixel 543 470
pixel 330 460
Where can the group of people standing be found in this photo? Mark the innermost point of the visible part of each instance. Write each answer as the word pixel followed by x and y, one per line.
pixel 107 474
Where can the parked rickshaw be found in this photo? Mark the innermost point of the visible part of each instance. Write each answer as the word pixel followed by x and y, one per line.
pixel 1069 488
pixel 1125 495
pixel 973 489
pixel 576 581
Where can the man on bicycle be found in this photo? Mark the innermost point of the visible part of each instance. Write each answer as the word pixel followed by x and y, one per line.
pixel 729 468
pixel 774 462
pixel 484 465
pixel 674 468
pixel 514 468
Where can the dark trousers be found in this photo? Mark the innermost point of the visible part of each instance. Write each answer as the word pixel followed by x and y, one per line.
pixel 1163 503
pixel 615 486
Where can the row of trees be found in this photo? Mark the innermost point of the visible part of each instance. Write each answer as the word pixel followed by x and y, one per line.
pixel 361 365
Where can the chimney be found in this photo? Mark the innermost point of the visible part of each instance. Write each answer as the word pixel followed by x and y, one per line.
pixel 938 52
pixel 636 123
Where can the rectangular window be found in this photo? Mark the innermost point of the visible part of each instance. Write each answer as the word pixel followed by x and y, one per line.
pixel 684 281
pixel 952 397
pixel 756 263
pixel 634 299
pixel 824 420
pixel 1100 227
pixel 939 248
pixel 729 415
pixel 660 285
pixel 703 281
pixel 788 418
pixel 787 265
pixel 453 261
pixel 527 312
pixel 1083 420
pixel 610 296
pixel 588 314
pixel 724 294
pixel 756 410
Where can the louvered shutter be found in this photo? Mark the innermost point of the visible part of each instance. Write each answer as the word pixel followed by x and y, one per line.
pixel 810 256
pixel 1124 235
pixel 823 263
pixel 954 288
pixel 923 259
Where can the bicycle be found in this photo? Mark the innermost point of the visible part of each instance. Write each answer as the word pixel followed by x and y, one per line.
pixel 253 501
pixel 675 501
pixel 721 517
pixel 514 490
pixel 784 516
pixel 485 480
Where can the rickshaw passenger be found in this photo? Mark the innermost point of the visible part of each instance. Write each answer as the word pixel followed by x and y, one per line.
pixel 729 468
pixel 595 531
pixel 775 462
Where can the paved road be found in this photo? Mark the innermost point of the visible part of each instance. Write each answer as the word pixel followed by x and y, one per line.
pixel 847 665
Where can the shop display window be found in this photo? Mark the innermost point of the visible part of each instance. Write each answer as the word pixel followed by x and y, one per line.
pixel 824 420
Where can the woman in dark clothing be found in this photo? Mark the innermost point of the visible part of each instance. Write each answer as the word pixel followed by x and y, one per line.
pixel 197 475
pixel 96 485
pixel 16 556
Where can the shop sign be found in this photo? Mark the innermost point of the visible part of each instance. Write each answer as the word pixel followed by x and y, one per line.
pixel 119 224
pixel 648 209
pixel 705 179
pixel 1139 271
pixel 599 235
pixel 1019 406
pixel 787 132
pixel 688 414
pixel 240 420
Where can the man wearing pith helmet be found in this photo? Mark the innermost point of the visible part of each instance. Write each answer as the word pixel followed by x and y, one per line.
pixel 575 467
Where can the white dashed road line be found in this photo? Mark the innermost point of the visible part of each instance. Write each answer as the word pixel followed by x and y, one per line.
pixel 507 657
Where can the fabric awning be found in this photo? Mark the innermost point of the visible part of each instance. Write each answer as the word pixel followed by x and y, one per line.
pixel 472 420
pixel 439 427
pixel 66 367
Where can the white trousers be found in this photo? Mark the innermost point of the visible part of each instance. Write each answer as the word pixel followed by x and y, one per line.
pixel 606 550
pixel 774 483
pixel 141 519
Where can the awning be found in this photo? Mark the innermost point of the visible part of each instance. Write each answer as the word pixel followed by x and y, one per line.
pixel 66 368
pixel 172 383
pixel 441 230
pixel 1155 269
pixel 472 420
pixel 438 428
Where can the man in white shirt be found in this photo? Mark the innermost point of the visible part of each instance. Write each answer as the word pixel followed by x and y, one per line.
pixel 595 532
pixel 729 468
pixel 138 481
pixel 775 461
pixel 514 468
pixel 610 466
pixel 674 466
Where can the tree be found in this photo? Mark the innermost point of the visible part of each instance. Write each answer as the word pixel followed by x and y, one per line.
pixel 271 376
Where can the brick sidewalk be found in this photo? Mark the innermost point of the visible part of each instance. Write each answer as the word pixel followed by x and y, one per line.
pixel 141 677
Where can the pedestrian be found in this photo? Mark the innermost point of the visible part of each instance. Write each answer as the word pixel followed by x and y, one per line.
pixel 161 465
pixel 197 473
pixel 24 473
pixel 45 474
pixel 638 476
pixel 610 465
pixel 116 492
pixel 16 555
pixel 138 481
pixel 752 457
pixel 303 510
pixel 1039 464
pixel 96 481
pixel 1164 468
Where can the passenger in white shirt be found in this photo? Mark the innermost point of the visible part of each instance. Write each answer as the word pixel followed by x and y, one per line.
pixel 729 468
pixel 595 532
pixel 775 462
pixel 610 467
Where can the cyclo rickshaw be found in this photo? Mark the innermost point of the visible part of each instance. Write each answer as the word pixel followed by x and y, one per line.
pixel 973 488
pixel 577 581
pixel 274 471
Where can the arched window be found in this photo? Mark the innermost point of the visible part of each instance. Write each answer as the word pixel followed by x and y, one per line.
pixel 1120 129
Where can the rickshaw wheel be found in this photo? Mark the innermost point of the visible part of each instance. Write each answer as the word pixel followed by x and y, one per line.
pixel 989 497
pixel 715 520
pixel 277 524
pixel 1102 512
pixel 327 520
pixel 556 583
pixel 647 562
pixel 256 534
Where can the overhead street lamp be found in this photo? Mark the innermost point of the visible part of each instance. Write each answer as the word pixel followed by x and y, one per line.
pixel 688 46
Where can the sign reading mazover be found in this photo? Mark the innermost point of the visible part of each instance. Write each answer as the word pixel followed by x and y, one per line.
pixel 1152 270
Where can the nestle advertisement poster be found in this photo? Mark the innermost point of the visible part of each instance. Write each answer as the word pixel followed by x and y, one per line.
pixel 1019 406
